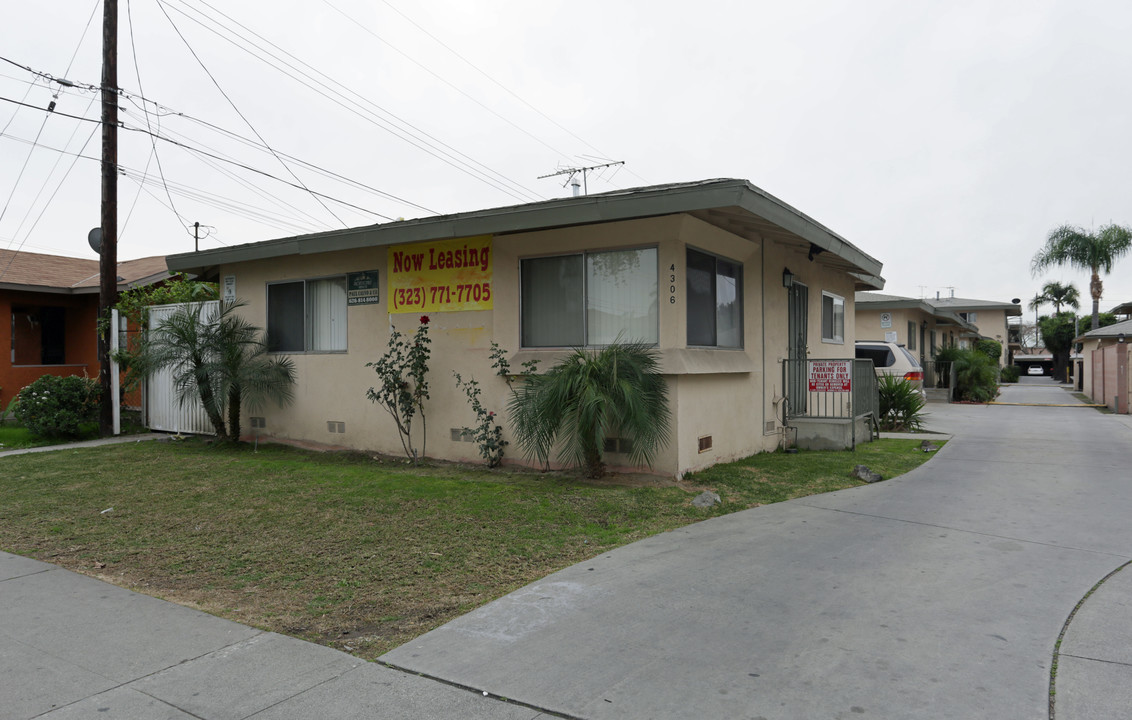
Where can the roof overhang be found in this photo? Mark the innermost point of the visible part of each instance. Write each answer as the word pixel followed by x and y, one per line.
pixel 736 206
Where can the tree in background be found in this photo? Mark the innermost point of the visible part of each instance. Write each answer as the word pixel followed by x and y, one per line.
pixel 1058 332
pixel 1056 294
pixel 1083 250
pixel 991 348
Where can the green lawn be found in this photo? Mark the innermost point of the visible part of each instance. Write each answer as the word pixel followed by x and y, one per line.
pixel 355 552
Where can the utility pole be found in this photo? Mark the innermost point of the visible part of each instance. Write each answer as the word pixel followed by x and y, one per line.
pixel 571 172
pixel 108 251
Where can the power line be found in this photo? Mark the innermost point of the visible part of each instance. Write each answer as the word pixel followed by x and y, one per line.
pixel 219 158
pixel 287 167
pixel 46 205
pixel 152 140
pixel 219 202
pixel 503 87
pixel 394 125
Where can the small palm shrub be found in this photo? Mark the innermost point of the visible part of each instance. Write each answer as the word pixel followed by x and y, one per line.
pixel 54 407
pixel 219 359
pixel 901 404
pixel 589 396
pixel 976 377
pixel 1011 373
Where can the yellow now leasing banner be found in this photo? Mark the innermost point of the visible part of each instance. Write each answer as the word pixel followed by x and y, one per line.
pixel 442 276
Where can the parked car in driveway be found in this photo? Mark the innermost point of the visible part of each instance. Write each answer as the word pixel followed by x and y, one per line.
pixel 891 358
pixel 1035 370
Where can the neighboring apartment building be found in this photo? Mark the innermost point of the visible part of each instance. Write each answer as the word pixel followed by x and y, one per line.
pixel 50 304
pixel 723 279
pixel 924 325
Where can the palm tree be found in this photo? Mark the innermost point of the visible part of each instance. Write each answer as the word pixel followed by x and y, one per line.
pixel 1056 294
pixel 588 397
pixel 219 358
pixel 1083 250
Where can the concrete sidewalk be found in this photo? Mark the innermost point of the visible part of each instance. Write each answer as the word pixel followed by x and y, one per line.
pixel 117 440
pixel 75 647
pixel 939 593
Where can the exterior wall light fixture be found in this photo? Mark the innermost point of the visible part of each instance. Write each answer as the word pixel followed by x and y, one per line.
pixel 787 278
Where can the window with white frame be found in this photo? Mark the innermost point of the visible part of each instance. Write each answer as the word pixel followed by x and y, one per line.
pixel 970 317
pixel 715 301
pixel 591 298
pixel 307 315
pixel 832 318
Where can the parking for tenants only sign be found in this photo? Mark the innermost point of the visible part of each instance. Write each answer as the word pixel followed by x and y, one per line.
pixel 830 376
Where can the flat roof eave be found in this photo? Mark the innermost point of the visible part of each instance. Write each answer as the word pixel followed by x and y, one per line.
pixel 631 204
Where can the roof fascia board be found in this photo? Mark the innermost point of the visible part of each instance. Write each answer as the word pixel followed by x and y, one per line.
pixel 591 209
pixel 52 289
pixel 769 208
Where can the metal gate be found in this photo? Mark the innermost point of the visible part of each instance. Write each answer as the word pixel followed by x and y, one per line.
pixel 163 410
pixel 798 310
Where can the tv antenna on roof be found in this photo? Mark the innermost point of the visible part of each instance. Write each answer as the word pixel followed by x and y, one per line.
pixel 572 174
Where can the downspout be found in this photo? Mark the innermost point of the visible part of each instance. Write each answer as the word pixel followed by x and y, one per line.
pixel 762 327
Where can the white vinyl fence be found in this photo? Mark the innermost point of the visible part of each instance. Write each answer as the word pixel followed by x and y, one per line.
pixel 163 410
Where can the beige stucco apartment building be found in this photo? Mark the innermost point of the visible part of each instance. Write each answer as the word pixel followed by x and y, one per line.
pixel 924 325
pixel 695 269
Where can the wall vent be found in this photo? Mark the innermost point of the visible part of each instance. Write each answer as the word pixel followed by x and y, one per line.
pixel 623 446
pixel 258 422
pixel 705 443
pixel 335 426
pixel 461 435
pixel 770 426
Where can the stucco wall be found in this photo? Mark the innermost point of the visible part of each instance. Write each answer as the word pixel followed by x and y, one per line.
pixel 81 346
pixel 729 395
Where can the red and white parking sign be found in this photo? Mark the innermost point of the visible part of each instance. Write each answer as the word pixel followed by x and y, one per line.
pixel 830 376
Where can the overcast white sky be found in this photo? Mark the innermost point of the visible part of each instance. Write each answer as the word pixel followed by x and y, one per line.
pixel 944 139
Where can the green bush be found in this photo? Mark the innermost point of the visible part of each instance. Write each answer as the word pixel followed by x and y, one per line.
pixel 991 348
pixel 1011 373
pixel 588 397
pixel 900 404
pixel 976 377
pixel 55 406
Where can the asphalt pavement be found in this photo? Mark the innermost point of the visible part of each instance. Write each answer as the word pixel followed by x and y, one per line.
pixel 941 593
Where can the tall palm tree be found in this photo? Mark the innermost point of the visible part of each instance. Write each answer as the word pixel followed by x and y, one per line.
pixel 588 397
pixel 219 358
pixel 1083 250
pixel 1056 294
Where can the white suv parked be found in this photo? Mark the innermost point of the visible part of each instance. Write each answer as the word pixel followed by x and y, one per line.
pixel 891 358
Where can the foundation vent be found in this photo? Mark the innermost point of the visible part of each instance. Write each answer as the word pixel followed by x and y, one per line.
pixel 335 426
pixel 770 426
pixel 705 443
pixel 258 422
pixel 618 445
pixel 461 435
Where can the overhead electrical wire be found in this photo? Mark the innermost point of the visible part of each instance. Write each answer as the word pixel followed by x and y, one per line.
pixel 475 67
pixel 193 52
pixel 219 158
pixel 58 159
pixel 152 140
pixel 243 209
pixel 391 123
pixel 46 205
pixel 282 205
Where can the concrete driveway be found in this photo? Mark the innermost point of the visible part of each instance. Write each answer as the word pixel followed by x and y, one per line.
pixel 941 593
